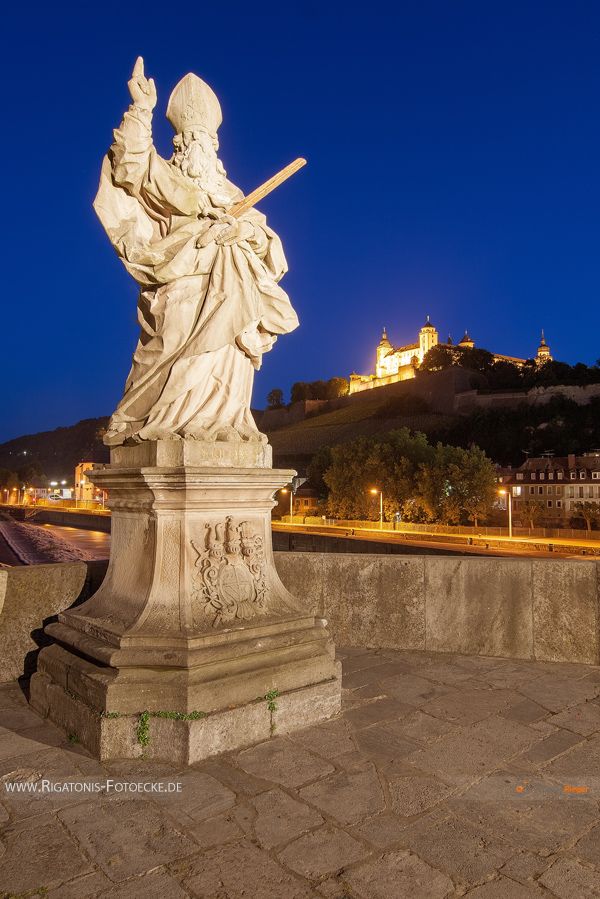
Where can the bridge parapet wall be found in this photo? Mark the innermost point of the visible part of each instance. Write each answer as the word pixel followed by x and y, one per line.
pixel 542 609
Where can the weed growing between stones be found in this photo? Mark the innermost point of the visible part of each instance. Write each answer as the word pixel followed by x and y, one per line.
pixel 270 697
pixel 180 716
pixel 143 728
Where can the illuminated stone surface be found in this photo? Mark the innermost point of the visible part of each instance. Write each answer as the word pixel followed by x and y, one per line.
pixel 483 805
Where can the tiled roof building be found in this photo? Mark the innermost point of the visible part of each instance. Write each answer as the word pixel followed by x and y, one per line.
pixel 557 483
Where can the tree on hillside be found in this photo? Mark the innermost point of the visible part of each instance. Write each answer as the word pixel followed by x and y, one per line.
pixel 319 390
pixel 504 375
pixel 548 374
pixel 475 359
pixel 301 390
pixel 275 398
pixel 317 467
pixel 506 434
pixel 336 387
pixel 438 358
pixel 590 512
pixel 441 356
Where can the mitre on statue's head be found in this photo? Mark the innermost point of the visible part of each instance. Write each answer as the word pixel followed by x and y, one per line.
pixel 193 105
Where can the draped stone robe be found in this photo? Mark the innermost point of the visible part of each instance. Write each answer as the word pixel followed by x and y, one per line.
pixel 206 314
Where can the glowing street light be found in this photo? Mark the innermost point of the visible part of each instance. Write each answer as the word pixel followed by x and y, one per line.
pixel 376 491
pixel 291 493
pixel 504 492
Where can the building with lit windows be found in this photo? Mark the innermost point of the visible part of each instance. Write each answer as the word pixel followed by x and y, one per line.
pixel 555 483
pixel 84 489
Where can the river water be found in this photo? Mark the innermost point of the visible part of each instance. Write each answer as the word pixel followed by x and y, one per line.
pixel 95 543
pixel 35 544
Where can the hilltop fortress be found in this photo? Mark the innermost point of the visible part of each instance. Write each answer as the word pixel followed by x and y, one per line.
pixel 400 363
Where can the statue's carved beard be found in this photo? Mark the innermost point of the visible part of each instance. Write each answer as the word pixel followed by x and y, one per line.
pixel 205 169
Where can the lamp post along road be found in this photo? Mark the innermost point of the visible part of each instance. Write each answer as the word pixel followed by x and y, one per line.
pixel 508 495
pixel 291 492
pixel 380 492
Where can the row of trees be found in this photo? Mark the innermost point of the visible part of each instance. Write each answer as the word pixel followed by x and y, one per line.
pixel 533 514
pixel 309 390
pixel 23 476
pixel 421 481
pixel 506 376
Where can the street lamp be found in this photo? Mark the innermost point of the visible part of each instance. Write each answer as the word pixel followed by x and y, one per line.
pixel 504 492
pixel 376 491
pixel 291 492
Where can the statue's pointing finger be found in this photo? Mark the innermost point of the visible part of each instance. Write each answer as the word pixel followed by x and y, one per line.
pixel 142 89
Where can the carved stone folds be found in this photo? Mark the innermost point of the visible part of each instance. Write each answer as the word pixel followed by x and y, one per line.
pixel 192 616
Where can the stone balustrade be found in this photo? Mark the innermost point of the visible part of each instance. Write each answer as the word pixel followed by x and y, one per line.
pixel 510 608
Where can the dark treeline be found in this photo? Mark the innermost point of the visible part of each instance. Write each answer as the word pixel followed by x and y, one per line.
pixel 502 375
pixel 508 435
pixel 309 390
pixel 54 454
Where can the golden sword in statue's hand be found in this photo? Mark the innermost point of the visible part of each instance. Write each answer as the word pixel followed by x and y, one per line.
pixel 266 188
pixel 247 203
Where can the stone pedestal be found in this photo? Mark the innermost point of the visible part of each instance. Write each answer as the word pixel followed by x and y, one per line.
pixel 192 646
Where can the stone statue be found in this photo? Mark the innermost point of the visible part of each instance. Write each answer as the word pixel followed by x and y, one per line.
pixel 192 617
pixel 210 303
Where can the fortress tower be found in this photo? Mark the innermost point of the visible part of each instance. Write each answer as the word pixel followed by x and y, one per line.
pixel 384 347
pixel 467 342
pixel 428 338
pixel 543 352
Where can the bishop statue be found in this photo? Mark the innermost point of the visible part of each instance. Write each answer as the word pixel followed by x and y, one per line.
pixel 210 303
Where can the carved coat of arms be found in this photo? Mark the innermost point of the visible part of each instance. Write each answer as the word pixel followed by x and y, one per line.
pixel 230 571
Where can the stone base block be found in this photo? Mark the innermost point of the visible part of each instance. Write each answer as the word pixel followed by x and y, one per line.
pixel 191 625
pixel 180 739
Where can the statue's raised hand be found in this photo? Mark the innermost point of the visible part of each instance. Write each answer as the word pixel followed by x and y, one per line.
pixel 142 89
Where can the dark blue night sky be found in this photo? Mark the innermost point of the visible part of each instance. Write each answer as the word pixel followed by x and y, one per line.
pixel 454 170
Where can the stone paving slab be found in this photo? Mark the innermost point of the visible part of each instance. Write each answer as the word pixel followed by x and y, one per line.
pixel 445 776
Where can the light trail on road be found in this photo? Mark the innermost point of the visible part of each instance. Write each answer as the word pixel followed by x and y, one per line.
pixel 518 547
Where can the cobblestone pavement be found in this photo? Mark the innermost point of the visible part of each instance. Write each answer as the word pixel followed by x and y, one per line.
pixel 445 776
